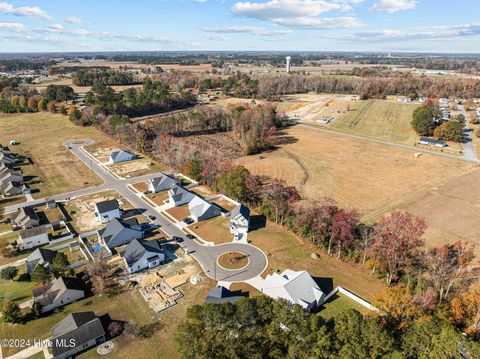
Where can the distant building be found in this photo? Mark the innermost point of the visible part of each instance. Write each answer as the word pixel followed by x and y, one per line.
pixel 59 292
pixel 117 155
pixel 239 222
pixel 431 142
pixel 80 330
pixel 141 254
pixel 288 58
pixel 178 195
pixel 118 232
pixel 201 210
pixel 105 211
pixel 296 287
pixel 32 237
pixel 162 183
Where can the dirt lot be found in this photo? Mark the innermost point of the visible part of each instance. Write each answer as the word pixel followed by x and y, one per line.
pixel 82 209
pixel 134 168
pixel 158 198
pixel 370 177
pixel 225 205
pixel 59 170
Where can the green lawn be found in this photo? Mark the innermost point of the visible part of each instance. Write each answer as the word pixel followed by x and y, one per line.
pixel 382 119
pixel 338 304
pixel 14 290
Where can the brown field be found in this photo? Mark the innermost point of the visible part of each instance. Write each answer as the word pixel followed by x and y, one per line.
pixel 179 213
pixel 135 65
pixel 41 136
pixel 225 205
pixel 140 186
pixel 371 177
pixel 40 87
pixel 158 198
pixel 138 167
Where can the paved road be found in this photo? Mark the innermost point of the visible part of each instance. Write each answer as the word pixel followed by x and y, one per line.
pixel 468 147
pixel 206 256
pixel 397 145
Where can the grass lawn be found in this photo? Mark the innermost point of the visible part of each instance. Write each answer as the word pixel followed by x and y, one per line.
pixel 41 136
pixel 340 303
pixel 287 251
pixel 158 198
pixel 213 230
pixel 383 119
pixel 14 290
pixel 179 213
pixel 140 186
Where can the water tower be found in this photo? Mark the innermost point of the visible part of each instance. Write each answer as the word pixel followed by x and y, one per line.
pixel 288 63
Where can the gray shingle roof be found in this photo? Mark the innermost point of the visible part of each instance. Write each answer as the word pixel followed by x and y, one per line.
pixel 35 231
pixel 39 257
pixel 116 226
pixel 47 294
pixel 81 327
pixel 220 294
pixel 242 210
pixel 107 206
pixel 138 247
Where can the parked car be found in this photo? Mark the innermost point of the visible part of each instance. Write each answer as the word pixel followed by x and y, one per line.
pixel 152 218
pixel 178 239
pixel 188 220
pixel 191 236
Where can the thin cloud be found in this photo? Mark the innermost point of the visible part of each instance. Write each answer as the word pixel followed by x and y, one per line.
pixel 26 11
pixel 74 20
pixel 12 27
pixel 393 6
pixel 253 30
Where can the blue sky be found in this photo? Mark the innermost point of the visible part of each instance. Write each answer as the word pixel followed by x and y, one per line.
pixel 288 25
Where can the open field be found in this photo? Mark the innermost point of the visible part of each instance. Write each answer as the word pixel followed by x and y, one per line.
pixel 52 163
pixel 136 65
pixel 371 177
pixel 15 290
pixel 383 119
pixel 40 87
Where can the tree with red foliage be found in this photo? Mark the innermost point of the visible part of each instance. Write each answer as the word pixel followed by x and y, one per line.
pixel 396 236
pixel 345 222
pixel 280 197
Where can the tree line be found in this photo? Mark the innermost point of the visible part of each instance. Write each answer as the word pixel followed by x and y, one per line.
pixel 89 77
pixel 260 327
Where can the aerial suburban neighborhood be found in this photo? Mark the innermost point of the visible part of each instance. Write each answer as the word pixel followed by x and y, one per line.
pixel 227 179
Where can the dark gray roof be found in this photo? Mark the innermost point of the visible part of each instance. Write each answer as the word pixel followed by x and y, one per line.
pixel 23 214
pixel 47 294
pixel 114 154
pixel 115 226
pixel 164 181
pixel 138 247
pixel 107 206
pixel 241 209
pixel 78 327
pixel 221 294
pixel 39 256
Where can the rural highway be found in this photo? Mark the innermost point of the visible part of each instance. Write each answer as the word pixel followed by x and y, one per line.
pixel 397 145
pixel 206 256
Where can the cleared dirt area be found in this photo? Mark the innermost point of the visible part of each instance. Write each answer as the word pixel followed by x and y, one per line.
pixel 41 136
pixel 134 168
pixel 373 178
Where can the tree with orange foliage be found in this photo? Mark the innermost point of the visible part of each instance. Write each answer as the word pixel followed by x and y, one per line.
pixel 397 306
pixel 466 311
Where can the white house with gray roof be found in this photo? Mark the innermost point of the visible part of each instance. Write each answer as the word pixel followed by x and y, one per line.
pixel 25 217
pixel 39 257
pixel 142 254
pixel 105 211
pixel 239 222
pixel 162 183
pixel 118 155
pixel 32 237
pixel 7 159
pixel 201 210
pixel 118 232
pixel 178 195
pixel 76 333
pixel 11 176
pixel 59 292
pixel 296 287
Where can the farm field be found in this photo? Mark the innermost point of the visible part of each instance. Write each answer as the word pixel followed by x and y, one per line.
pixel 52 163
pixel 371 177
pixel 383 119
pixel 40 87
